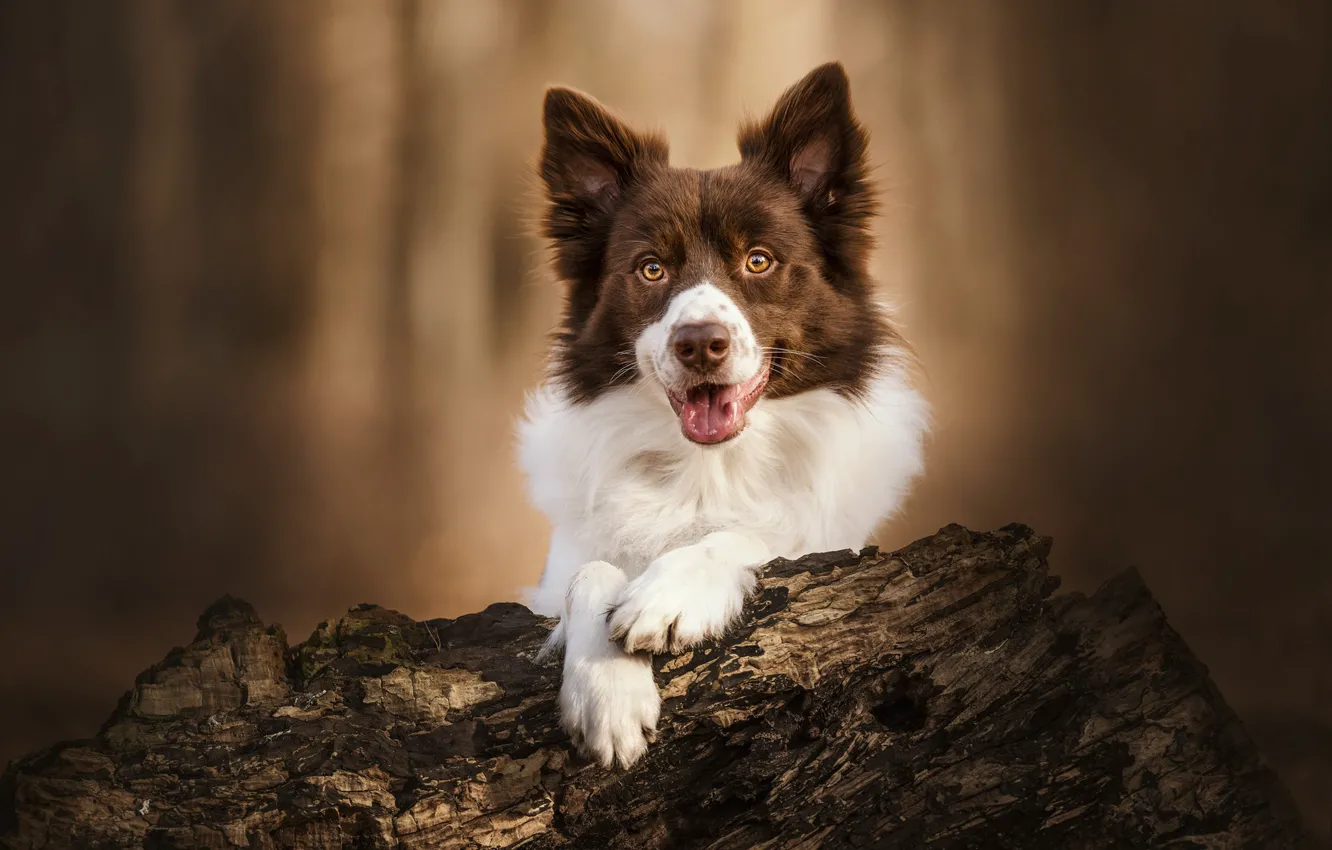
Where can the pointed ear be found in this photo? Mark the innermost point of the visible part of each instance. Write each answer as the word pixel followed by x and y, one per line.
pixel 589 161
pixel 812 139
pixel 590 156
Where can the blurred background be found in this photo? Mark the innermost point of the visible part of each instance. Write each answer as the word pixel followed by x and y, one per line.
pixel 271 303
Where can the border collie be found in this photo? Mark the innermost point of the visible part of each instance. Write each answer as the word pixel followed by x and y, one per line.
pixel 724 388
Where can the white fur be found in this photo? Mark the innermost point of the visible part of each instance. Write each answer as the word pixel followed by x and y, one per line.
pixel 689 594
pixel 608 700
pixel 688 525
pixel 812 472
pixel 702 303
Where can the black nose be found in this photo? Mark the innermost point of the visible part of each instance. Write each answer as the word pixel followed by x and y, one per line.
pixel 701 347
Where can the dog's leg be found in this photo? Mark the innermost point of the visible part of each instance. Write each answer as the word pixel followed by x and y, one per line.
pixel 608 699
pixel 690 594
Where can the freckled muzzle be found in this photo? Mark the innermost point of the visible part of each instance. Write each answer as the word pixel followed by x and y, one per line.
pixel 704 353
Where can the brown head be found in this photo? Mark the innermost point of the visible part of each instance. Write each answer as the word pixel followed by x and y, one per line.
pixel 724 287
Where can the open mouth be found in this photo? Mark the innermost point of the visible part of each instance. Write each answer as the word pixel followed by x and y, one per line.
pixel 714 413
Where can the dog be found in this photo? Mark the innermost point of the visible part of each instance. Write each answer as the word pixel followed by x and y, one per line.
pixel 724 387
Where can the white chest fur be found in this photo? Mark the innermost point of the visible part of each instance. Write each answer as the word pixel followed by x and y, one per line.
pixel 812 472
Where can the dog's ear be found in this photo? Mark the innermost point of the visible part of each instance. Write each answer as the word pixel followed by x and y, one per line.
pixel 589 161
pixel 812 141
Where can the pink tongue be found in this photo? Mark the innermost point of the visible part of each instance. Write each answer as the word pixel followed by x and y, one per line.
pixel 711 414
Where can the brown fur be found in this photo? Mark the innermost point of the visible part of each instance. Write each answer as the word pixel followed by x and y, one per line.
pixel 799 192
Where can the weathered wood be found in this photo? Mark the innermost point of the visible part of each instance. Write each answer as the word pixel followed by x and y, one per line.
pixel 935 697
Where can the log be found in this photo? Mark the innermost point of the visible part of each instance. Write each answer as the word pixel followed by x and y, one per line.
pixel 940 696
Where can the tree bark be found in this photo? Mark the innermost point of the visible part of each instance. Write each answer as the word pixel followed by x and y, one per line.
pixel 936 697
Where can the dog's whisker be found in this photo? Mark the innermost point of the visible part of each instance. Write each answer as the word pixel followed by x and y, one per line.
pixel 624 370
pixel 791 353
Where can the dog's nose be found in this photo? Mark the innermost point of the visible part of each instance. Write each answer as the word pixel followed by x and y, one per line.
pixel 702 346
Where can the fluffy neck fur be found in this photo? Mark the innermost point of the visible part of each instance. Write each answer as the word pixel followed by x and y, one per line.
pixel 812 472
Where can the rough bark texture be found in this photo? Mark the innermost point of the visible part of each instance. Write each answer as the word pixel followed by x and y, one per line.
pixel 934 697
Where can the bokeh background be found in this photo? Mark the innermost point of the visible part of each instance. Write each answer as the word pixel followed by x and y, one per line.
pixel 271 301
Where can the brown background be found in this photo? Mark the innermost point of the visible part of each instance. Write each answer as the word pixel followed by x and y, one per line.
pixel 270 304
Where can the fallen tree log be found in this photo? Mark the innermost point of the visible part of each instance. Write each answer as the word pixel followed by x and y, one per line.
pixel 936 697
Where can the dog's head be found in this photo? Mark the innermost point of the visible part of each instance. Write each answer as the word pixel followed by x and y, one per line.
pixel 722 287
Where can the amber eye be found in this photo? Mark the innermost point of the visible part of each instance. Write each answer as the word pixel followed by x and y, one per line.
pixel 652 270
pixel 758 262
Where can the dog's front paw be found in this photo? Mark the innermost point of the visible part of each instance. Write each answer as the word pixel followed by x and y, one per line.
pixel 609 705
pixel 684 598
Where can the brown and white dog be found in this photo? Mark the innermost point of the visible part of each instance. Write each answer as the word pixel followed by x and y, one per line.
pixel 724 388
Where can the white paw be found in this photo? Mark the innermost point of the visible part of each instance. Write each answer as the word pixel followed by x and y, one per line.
pixel 609 706
pixel 608 700
pixel 687 596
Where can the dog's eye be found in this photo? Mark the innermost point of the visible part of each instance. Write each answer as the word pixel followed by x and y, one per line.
pixel 652 270
pixel 758 262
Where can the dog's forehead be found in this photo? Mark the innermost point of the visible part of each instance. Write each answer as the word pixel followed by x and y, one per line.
pixel 668 199
pixel 732 208
pixel 751 206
